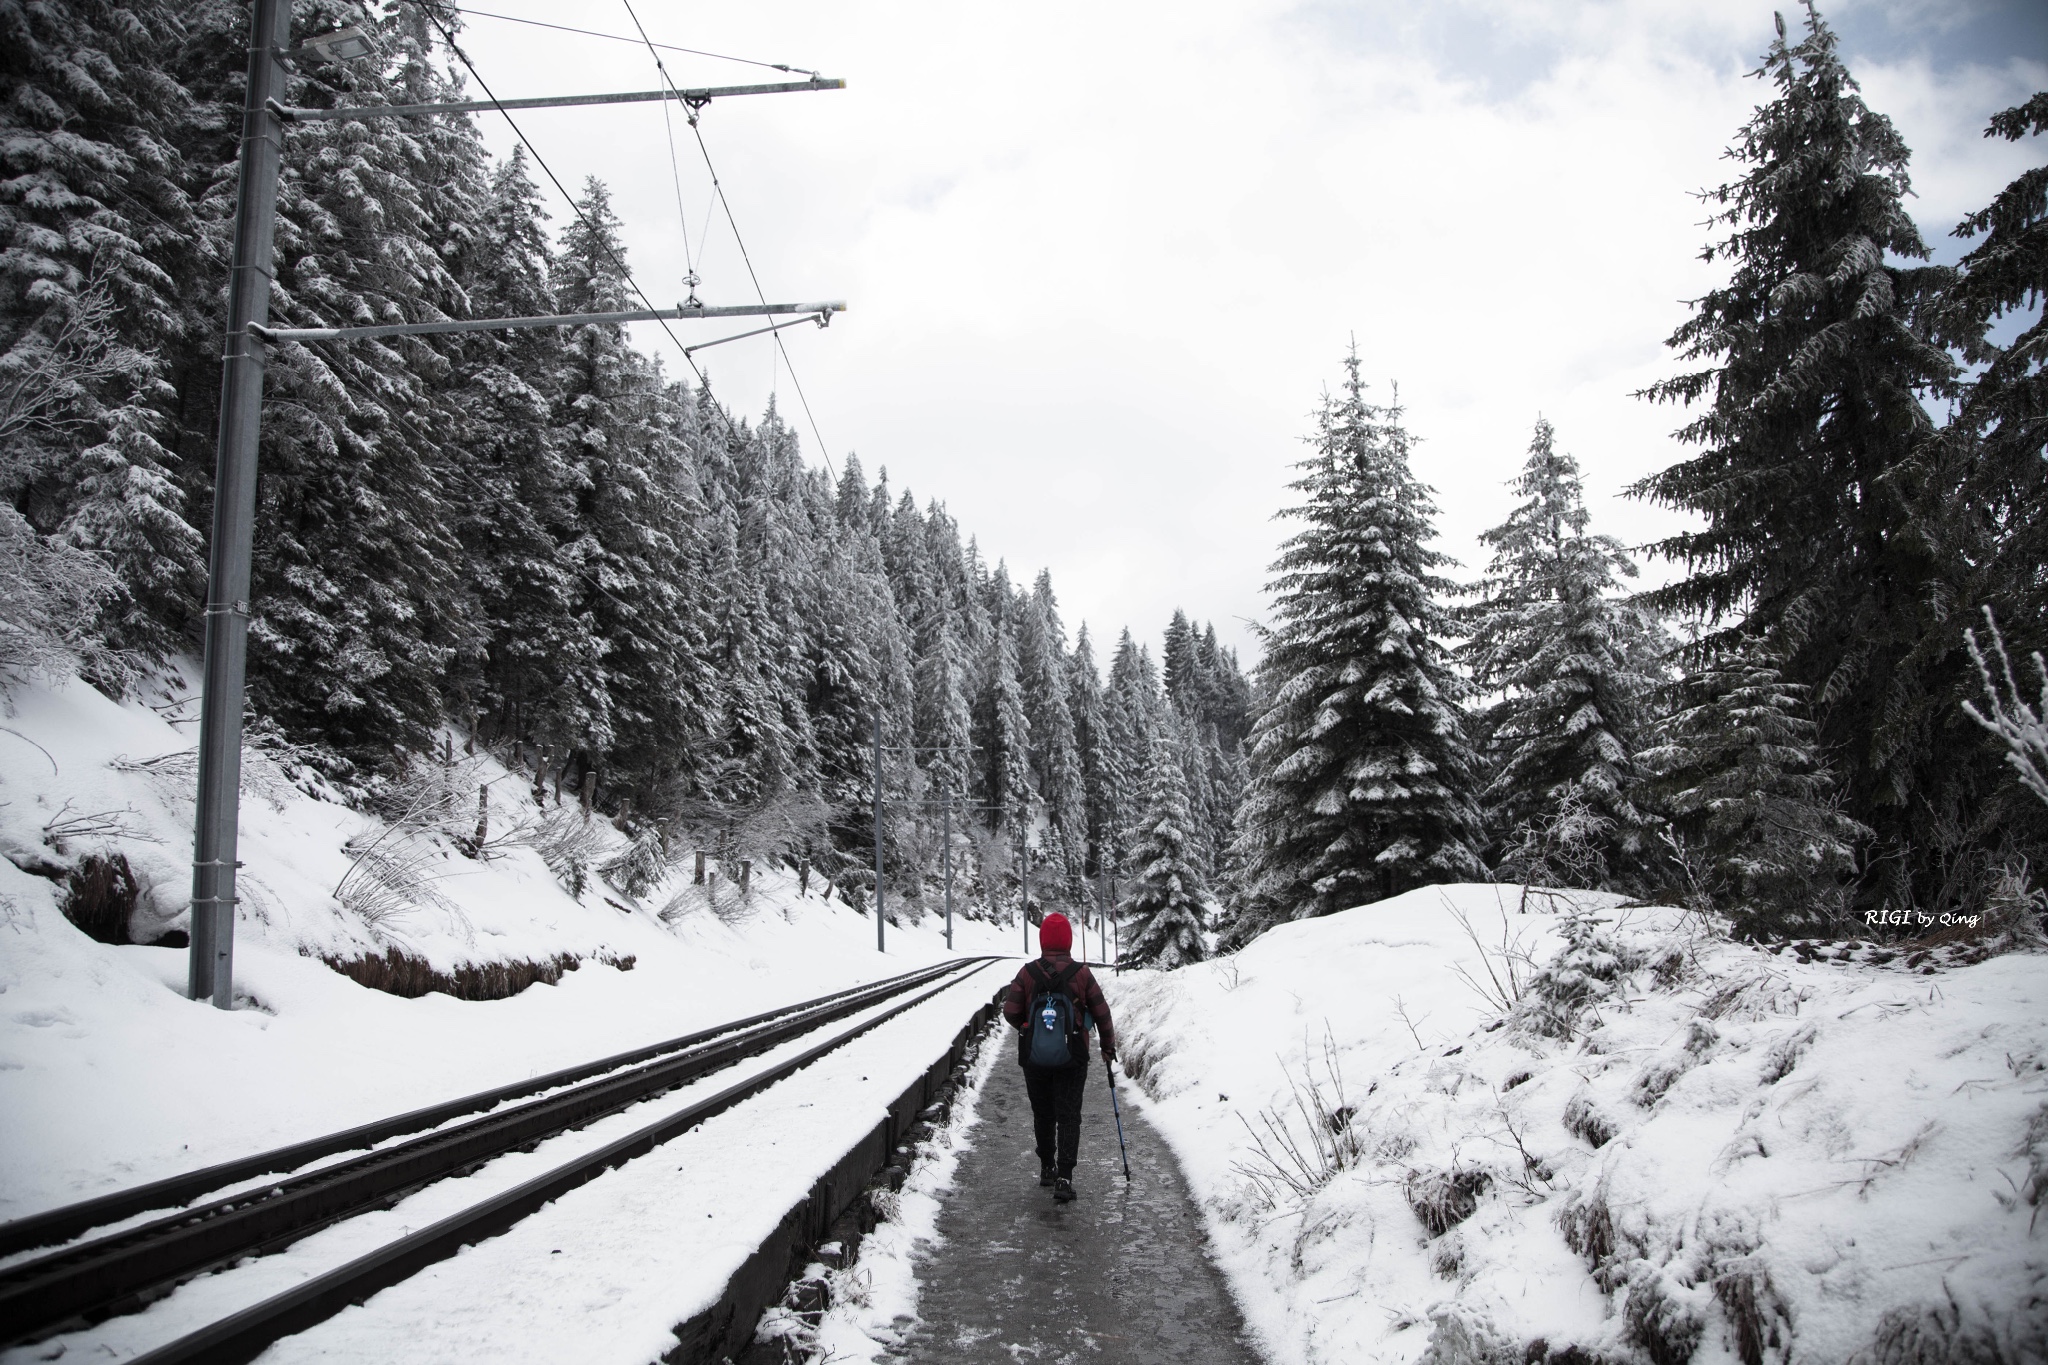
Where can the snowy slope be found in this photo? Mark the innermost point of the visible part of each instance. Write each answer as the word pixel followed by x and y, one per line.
pixel 109 1077
pixel 1672 1149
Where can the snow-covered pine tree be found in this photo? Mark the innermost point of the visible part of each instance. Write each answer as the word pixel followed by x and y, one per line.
pixel 1575 666
pixel 1736 769
pixel 1002 729
pixel 1131 707
pixel 627 438
pixel 1362 779
pixel 537 673
pixel 1163 913
pixel 98 231
pixel 1817 526
pixel 2002 428
pixel 1055 757
pixel 1084 704
pixel 358 601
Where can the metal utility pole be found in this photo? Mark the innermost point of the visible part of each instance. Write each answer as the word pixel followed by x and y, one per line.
pixel 1024 883
pixel 878 831
pixel 946 822
pixel 210 972
pixel 224 672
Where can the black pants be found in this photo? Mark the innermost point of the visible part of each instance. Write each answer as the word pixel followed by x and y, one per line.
pixel 1056 1112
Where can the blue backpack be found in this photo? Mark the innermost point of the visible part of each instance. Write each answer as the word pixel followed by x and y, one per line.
pixel 1057 1033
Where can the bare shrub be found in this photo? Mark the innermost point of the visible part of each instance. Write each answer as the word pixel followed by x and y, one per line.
pixel 100 895
pixel 568 842
pixel 2021 726
pixel 1949 1333
pixel 1567 847
pixel 1505 967
pixel 1289 1166
pixel 641 864
pixel 1582 1118
pixel 70 824
pixel 391 872
pixel 1441 1200
pixel 1663 1316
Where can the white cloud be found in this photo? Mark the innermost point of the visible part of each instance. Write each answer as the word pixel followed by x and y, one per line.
pixel 1102 259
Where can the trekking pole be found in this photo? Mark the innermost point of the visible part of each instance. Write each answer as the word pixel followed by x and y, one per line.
pixel 1124 1151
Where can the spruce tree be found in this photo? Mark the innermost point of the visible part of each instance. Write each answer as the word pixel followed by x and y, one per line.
pixel 98 231
pixel 1084 704
pixel 1163 913
pixel 1805 476
pixel 1362 781
pixel 1738 772
pixel 627 438
pixel 2002 428
pixel 1573 663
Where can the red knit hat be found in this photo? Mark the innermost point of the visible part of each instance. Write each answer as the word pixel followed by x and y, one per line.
pixel 1055 935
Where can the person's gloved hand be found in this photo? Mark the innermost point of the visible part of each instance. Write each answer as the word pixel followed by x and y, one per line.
pixel 1108 1054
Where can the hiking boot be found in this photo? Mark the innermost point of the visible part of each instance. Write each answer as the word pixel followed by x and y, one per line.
pixel 1063 1190
pixel 1046 1175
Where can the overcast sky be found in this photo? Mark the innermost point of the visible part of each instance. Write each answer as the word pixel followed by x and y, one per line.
pixel 1103 259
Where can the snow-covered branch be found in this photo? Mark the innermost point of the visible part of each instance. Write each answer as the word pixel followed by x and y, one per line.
pixel 2021 726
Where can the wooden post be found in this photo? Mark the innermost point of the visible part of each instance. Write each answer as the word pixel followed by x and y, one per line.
pixel 746 874
pixel 589 793
pixel 483 815
pixel 699 878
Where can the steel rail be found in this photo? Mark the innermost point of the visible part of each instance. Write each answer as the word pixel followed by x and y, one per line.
pixel 244 1335
pixel 126 1270
pixel 62 1224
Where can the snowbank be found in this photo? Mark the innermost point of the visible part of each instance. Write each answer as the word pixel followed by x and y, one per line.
pixel 109 1077
pixel 1671 1148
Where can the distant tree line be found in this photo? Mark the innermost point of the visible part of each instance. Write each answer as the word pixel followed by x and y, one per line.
pixel 545 541
pixel 539 538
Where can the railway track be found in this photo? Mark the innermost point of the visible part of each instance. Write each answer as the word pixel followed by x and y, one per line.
pixel 126 1269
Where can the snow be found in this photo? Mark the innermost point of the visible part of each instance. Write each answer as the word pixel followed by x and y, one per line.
pixel 875 1299
pixel 1828 1154
pixel 109 1077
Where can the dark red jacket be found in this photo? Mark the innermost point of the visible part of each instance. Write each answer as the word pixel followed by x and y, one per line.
pixel 1017 998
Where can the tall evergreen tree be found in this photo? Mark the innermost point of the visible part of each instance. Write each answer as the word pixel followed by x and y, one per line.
pixel 1814 530
pixel 2002 429
pixel 1163 914
pixel 627 438
pixel 1084 704
pixel 96 229
pixel 1573 662
pixel 1362 781
pixel 1738 771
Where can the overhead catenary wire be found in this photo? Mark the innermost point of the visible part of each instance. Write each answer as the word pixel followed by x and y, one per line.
pixel 427 8
pixel 622 38
pixel 719 190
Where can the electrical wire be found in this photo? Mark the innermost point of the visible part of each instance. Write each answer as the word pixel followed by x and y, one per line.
pixel 596 232
pixel 622 38
pixel 726 204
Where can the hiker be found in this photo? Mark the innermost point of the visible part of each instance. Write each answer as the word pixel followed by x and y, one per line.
pixel 1055 985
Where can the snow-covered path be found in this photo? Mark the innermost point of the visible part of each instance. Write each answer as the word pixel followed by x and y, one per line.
pixel 1121 1274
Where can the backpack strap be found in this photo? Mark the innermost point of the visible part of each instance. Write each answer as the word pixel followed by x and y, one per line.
pixel 1038 976
pixel 1065 976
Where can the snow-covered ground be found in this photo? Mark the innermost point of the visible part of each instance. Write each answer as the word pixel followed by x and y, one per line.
pixel 1673 1148
pixel 110 1077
